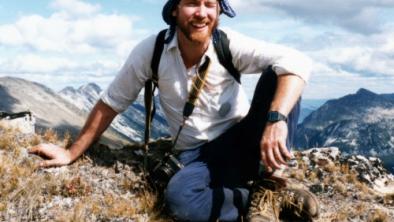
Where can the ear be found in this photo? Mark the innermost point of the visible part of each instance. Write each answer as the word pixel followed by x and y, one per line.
pixel 174 12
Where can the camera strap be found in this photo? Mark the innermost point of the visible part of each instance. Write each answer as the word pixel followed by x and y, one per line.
pixel 197 85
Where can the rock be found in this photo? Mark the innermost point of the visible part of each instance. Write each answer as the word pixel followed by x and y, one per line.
pixel 317 188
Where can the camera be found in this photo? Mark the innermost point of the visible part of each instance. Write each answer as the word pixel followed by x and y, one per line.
pixel 165 169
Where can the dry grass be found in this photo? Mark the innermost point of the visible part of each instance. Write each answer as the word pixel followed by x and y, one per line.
pixel 75 187
pixel 332 168
pixel 378 216
pixel 340 188
pixel 298 174
pixel 68 194
pixel 50 136
pixel 389 199
pixel 362 187
pixel 341 216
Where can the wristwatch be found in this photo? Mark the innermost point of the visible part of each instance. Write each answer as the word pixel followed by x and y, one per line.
pixel 275 116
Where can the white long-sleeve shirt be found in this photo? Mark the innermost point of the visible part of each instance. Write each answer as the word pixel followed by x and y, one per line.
pixel 206 121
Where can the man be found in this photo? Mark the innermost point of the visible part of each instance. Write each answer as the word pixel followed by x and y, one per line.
pixel 223 140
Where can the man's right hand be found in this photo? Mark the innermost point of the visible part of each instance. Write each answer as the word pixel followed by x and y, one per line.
pixel 57 156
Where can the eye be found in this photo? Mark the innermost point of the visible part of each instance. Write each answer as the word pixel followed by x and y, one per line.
pixel 190 3
pixel 211 4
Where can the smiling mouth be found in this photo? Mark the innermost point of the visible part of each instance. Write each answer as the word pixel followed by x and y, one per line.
pixel 199 26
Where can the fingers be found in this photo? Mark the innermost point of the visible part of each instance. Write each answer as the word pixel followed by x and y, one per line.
pixel 48 163
pixel 274 153
pixel 271 158
pixel 279 155
pixel 265 161
pixel 35 150
pixel 269 155
pixel 284 151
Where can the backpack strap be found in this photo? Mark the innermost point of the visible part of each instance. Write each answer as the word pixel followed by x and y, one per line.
pixel 159 46
pixel 151 85
pixel 222 47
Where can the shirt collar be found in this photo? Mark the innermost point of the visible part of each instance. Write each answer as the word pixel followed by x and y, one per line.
pixel 174 41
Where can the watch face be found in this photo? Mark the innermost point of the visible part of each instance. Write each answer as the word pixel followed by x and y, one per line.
pixel 275 116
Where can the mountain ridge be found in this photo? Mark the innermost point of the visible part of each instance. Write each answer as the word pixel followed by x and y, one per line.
pixel 130 123
pixel 360 123
pixel 49 108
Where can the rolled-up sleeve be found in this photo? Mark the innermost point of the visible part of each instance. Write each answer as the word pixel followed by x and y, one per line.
pixel 252 56
pixel 126 86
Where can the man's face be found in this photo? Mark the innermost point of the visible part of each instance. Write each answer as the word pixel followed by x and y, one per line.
pixel 196 19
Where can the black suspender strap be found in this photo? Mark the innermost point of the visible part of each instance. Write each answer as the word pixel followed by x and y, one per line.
pixel 150 87
pixel 222 47
pixel 151 84
pixel 159 45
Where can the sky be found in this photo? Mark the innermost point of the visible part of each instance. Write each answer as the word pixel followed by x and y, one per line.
pixel 63 43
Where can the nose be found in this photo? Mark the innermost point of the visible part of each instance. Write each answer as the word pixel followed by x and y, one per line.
pixel 201 11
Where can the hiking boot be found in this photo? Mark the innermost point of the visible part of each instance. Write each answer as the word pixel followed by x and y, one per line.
pixel 298 205
pixel 263 206
pixel 271 200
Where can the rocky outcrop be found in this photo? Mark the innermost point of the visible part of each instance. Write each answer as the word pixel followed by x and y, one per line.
pixel 23 122
pixel 369 170
pixel 349 187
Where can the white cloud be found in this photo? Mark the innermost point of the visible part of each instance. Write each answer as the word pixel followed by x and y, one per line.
pixel 76 40
pixel 369 55
pixel 33 63
pixel 360 16
pixel 60 34
pixel 75 7
pixel 10 35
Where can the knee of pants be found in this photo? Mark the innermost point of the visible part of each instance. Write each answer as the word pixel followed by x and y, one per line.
pixel 188 195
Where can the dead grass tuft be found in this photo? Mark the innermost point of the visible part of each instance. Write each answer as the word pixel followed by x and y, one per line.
pixel 3 206
pixel 362 187
pixel 360 208
pixel 340 188
pixel 50 136
pixel 67 140
pixel 378 215
pixel 341 216
pixel 312 176
pixel 389 199
pixel 7 141
pixel 352 177
pixel 298 174
pixel 75 187
pixel 331 168
pixel 345 169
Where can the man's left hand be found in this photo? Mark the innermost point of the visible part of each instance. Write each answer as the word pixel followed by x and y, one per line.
pixel 273 148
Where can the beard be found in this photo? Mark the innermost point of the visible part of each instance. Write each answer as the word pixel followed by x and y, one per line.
pixel 197 36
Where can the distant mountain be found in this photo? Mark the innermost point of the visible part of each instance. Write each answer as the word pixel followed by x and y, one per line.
pixel 361 123
pixel 308 106
pixel 130 123
pixel 84 97
pixel 50 109
pixel 389 96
